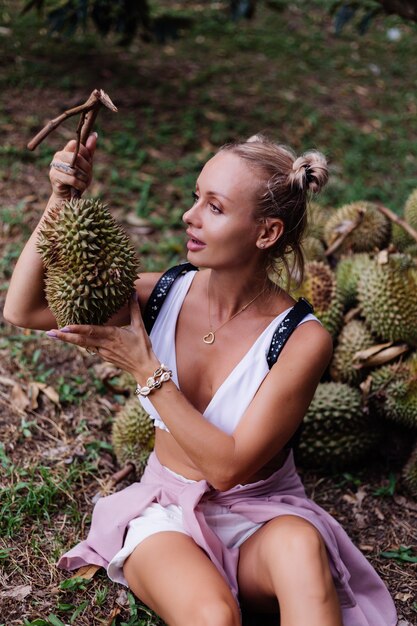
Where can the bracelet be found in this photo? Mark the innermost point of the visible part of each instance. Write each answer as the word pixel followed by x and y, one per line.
pixel 161 375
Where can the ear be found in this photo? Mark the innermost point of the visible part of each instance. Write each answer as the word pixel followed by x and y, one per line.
pixel 271 230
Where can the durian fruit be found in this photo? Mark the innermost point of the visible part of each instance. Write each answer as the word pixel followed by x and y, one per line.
pixel 320 289
pixel 313 249
pixel 133 435
pixel 337 433
pixel 374 231
pixel 348 272
pixel 317 217
pixel 400 238
pixel 410 209
pixel 409 473
pixel 387 294
pixel 393 392
pixel 90 263
pixel 353 337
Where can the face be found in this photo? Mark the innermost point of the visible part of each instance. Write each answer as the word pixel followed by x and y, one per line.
pixel 221 226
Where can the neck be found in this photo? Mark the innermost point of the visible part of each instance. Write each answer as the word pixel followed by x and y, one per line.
pixel 230 290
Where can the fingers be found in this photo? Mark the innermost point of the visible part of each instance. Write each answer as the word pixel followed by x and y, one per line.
pixel 63 177
pixel 135 312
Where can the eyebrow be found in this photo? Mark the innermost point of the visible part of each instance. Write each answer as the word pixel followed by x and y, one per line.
pixel 217 193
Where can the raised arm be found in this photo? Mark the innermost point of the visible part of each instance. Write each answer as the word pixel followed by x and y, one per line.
pixel 25 304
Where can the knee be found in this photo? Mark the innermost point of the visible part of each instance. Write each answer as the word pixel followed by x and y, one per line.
pixel 296 538
pixel 216 612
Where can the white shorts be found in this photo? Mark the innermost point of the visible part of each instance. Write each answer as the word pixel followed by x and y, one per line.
pixel 231 528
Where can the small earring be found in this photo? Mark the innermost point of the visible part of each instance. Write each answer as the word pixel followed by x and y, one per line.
pixel 262 245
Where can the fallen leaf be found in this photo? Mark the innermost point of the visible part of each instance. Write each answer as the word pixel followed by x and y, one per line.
pixel 113 614
pixel 122 599
pixel 18 398
pixel 33 394
pixel 403 597
pixel 8 382
pixel 87 571
pixel 379 513
pixel 50 393
pixel 365 547
pixel 18 592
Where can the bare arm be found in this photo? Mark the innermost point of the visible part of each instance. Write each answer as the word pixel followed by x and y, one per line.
pixel 269 422
pixel 26 305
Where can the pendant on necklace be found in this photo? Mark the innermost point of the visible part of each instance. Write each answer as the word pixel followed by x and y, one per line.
pixel 209 338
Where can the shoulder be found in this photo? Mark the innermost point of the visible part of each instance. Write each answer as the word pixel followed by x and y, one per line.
pixel 310 345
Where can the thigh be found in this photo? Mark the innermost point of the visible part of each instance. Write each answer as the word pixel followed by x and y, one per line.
pixel 175 578
pixel 287 545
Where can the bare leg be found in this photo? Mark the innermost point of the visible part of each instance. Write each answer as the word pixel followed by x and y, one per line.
pixel 177 580
pixel 286 562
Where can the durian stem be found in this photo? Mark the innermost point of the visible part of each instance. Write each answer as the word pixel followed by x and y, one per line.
pixel 398 220
pixel 122 474
pixel 338 242
pixel 97 98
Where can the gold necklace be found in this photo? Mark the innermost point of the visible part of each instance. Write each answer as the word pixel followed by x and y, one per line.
pixel 211 336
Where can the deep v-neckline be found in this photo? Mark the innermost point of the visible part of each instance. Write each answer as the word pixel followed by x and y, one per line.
pixel 236 367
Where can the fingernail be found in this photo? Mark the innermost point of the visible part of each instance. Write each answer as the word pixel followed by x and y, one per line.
pixel 96 134
pixel 64 330
pixel 51 334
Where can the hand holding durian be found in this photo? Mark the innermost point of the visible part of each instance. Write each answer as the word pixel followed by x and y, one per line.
pixel 89 262
pixel 128 347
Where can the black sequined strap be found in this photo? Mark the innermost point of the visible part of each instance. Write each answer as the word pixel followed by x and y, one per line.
pixel 160 292
pixel 285 328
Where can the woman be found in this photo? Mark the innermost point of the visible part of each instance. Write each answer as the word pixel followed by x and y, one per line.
pixel 220 516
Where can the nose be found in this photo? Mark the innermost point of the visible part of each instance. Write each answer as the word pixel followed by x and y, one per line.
pixel 192 216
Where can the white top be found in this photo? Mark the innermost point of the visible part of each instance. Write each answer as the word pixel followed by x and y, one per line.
pixel 235 394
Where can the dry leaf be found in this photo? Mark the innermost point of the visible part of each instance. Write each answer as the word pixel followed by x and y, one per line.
pixel 403 597
pixel 379 514
pixel 106 370
pixel 382 357
pixel 18 592
pixel 8 382
pixel 33 394
pixel 113 614
pixel 18 398
pixel 362 355
pixel 87 572
pixel 122 599
pixel 50 393
pixel 365 547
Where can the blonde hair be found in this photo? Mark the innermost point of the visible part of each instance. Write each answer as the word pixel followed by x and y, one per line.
pixel 285 183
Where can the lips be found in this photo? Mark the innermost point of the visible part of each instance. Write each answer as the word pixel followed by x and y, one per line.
pixel 195 239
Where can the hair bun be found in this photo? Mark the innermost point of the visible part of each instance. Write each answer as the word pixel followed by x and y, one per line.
pixel 309 171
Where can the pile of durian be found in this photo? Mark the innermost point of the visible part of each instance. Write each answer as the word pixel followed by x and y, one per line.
pixel 364 291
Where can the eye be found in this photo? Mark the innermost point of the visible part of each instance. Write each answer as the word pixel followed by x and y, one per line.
pixel 215 208
pixel 194 196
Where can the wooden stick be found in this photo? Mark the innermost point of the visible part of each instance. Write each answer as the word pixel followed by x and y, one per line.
pixel 97 98
pixel 117 477
pixel 398 220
